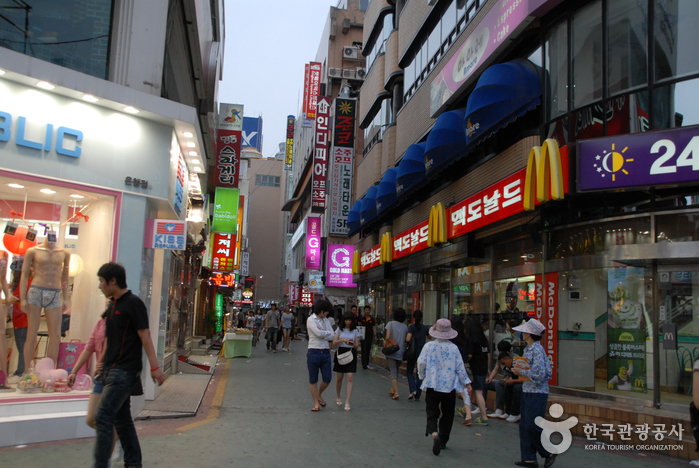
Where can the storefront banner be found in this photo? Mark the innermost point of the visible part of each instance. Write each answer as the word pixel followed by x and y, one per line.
pixel 626 335
pixel 239 233
pixel 289 154
pixel 225 210
pixel 313 227
pixel 497 202
pixel 223 280
pixel 228 145
pixel 639 160
pixel 252 133
pixel 306 86
pixel 315 282
pixel 339 264
pixel 411 241
pixel 491 34
pixel 245 263
pixel 313 90
pixel 180 178
pixel 306 297
pixel 219 308
pixel 223 254
pixel 550 340
pixel 166 234
pixel 341 189
pixel 294 294
pixel 370 259
pixel 320 156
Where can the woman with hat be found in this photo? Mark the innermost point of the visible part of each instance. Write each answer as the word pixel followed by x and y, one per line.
pixel 443 375
pixel 535 392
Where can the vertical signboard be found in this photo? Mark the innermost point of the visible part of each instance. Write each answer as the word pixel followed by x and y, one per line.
pixel 225 210
pixel 320 156
pixel 289 154
pixel 179 184
pixel 245 263
pixel 252 133
pixel 546 311
pixel 228 144
pixel 239 237
pixel 339 264
pixel 313 90
pixel 306 86
pixel 343 163
pixel 222 257
pixel 219 312
pixel 313 243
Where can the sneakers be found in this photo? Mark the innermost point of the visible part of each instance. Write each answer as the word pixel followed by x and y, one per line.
pixel 476 411
pixel 514 419
pixel 467 422
pixel 480 422
pixel 500 414
pixel 461 412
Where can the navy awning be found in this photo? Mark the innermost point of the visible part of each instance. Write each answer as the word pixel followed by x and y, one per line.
pixel 446 141
pixel 503 93
pixel 386 194
pixel 353 220
pixel 368 210
pixel 411 169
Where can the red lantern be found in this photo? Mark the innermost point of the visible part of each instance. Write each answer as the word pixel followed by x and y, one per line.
pixel 18 243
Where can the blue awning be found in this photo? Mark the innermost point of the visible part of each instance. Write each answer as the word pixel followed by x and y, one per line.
pixel 411 169
pixel 368 210
pixel 446 141
pixel 386 195
pixel 353 222
pixel 503 93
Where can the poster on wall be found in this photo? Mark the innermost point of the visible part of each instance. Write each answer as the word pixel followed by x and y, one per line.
pixel 228 145
pixel 626 330
pixel 315 282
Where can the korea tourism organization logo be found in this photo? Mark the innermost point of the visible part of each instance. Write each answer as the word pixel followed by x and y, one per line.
pixel 612 162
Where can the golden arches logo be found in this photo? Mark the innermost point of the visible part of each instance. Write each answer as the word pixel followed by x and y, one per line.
pixel 638 383
pixel 544 172
pixel 386 250
pixel 355 262
pixel 437 233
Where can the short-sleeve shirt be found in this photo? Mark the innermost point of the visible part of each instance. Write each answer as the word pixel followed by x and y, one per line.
pixel 420 336
pixel 398 332
pixel 346 335
pixel 286 320
pixel 478 359
pixel 368 322
pixel 125 317
pixel 273 319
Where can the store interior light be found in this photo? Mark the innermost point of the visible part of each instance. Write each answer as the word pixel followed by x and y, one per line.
pixel 90 98
pixel 131 110
pixel 2 72
pixel 47 191
pixel 193 153
pixel 188 134
pixel 196 162
pixel 75 195
pixel 45 85
pixel 191 144
pixel 15 185
pixel 198 169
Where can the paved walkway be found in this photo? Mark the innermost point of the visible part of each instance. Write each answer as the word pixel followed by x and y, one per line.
pixel 257 413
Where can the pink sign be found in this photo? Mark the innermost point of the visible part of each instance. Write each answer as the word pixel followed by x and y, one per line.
pixel 313 243
pixel 339 263
pixel 320 156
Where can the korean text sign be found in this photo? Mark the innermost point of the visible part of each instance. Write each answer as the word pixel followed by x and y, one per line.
pixel 342 165
pixel 411 240
pixel 225 210
pixel 313 89
pixel 370 259
pixel 228 145
pixel 320 156
pixel 289 150
pixel 313 226
pixel 339 264
pixel 223 255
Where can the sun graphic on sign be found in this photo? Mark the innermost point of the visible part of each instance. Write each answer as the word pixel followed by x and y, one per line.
pixel 345 107
pixel 615 165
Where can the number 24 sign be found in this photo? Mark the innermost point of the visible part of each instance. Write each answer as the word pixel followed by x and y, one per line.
pixel 666 157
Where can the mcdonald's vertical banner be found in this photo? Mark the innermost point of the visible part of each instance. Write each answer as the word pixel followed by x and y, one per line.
pixel 546 312
pixel 289 154
pixel 228 145
pixel 320 156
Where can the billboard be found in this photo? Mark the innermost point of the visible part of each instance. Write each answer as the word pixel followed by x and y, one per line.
pixel 342 165
pixel 289 154
pixel 339 264
pixel 313 243
pixel 225 210
pixel 252 133
pixel 320 156
pixel 228 145
pixel 223 254
pixel 313 89
pixel 166 234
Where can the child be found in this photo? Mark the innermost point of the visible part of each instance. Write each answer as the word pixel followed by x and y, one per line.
pixel 508 391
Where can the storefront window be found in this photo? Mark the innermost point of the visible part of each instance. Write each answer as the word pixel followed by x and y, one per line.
pixel 627 45
pixel 472 294
pixel 677 228
pixel 559 130
pixel 588 122
pixel 74 36
pixel 675 39
pixel 557 70
pixel 398 291
pixel 516 253
pixel 587 55
pixel 674 105
pixel 598 238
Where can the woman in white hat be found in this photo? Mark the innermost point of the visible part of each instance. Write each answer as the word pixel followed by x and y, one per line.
pixel 535 392
pixel 443 375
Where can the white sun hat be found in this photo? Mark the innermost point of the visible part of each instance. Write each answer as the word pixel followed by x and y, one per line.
pixel 533 327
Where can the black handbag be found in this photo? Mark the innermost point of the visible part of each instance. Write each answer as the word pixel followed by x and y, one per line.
pixel 390 346
pixel 410 350
pixel 694 421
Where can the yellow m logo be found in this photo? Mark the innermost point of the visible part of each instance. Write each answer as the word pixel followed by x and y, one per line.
pixel 544 171
pixel 437 233
pixel 355 262
pixel 638 383
pixel 386 248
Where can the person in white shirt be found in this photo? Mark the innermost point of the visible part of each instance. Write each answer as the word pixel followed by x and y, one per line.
pixel 443 375
pixel 320 335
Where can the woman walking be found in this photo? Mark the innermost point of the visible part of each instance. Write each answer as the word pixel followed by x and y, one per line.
pixel 287 318
pixel 347 340
pixel 418 332
pixel 535 393
pixel 397 330
pixel 457 324
pixel 478 358
pixel 443 375
pixel 320 334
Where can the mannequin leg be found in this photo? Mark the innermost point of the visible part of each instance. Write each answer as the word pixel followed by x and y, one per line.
pixel 33 320
pixel 3 343
pixel 53 321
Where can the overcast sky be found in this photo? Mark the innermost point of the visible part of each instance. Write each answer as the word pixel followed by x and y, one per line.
pixel 267 44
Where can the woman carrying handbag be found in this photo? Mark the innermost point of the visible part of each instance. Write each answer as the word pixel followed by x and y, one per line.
pixel 347 340
pixel 396 330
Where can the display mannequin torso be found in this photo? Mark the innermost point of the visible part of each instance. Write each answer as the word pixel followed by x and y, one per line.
pixel 48 262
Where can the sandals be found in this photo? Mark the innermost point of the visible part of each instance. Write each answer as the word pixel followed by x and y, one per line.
pixel 395 397
pixel 321 403
pixel 339 401
pixel 411 397
pixel 347 407
pixel 391 393
pixel 315 410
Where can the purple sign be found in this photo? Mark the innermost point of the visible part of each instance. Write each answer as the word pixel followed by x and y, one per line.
pixel 339 263
pixel 490 36
pixel 313 243
pixel 639 160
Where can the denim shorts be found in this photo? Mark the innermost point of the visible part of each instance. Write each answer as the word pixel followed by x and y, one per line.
pixel 319 360
pixel 478 382
pixel 97 386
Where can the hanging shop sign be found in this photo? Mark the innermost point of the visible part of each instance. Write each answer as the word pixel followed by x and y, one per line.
pixel 411 241
pixel 545 297
pixel 239 235
pixel 313 90
pixel 320 156
pixel 218 307
pixel 226 210
pixel 313 227
pixel 223 280
pixel 294 294
pixel 165 234
pixel 223 255
pixel 315 282
pixel 228 145
pixel 306 297
pixel 339 264
pixel 342 164
pixel 245 263
pixel 181 176
pixel 639 160
pixel 289 150
pixel 252 133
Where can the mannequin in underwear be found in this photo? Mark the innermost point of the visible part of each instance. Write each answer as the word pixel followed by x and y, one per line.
pixel 51 267
pixel 3 314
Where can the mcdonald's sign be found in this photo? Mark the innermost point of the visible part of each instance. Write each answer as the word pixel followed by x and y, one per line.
pixel 386 250
pixel 639 384
pixel 355 263
pixel 437 225
pixel 545 179
pixel 411 240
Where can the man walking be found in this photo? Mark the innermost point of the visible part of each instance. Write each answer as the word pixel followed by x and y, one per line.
pixel 127 337
pixel 369 324
pixel 272 323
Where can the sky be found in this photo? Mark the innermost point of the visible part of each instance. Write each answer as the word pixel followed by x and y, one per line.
pixel 267 44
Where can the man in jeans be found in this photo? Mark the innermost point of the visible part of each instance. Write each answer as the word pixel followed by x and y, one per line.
pixel 127 336
pixel 508 392
pixel 272 323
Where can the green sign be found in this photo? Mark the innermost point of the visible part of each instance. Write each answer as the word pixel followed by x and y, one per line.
pixel 226 211
pixel 466 288
pixel 219 312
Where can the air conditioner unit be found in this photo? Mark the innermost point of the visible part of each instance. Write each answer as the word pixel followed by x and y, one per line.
pixel 350 53
pixel 349 74
pixel 335 72
pixel 361 73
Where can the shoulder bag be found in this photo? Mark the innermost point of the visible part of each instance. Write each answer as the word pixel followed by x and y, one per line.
pixel 390 346
pixel 410 350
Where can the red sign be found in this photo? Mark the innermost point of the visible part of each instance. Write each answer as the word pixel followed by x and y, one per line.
pixel 306 297
pixel 320 156
pixel 313 89
pixel 545 310
pixel 416 302
pixel 223 280
pixel 411 241
pixel 370 259
pixel 228 158
pixel 306 86
pixel 223 253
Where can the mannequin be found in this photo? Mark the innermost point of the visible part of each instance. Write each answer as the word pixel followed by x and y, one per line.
pixel 51 266
pixel 3 314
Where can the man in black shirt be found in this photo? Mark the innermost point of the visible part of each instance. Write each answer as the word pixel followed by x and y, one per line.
pixel 369 324
pixel 127 336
